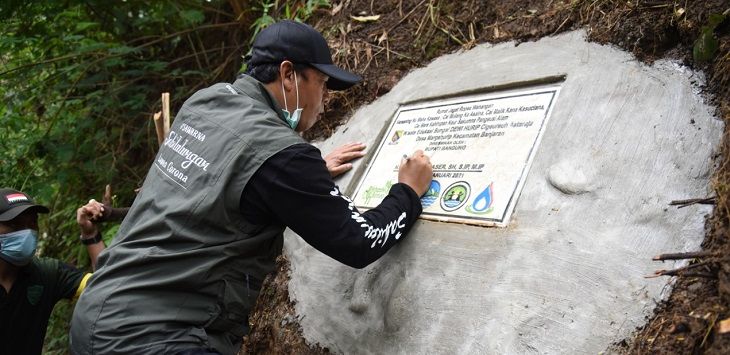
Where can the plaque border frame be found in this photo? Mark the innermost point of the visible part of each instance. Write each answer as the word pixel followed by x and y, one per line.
pixel 551 84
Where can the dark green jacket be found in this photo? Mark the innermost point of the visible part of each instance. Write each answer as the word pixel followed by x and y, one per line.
pixel 175 276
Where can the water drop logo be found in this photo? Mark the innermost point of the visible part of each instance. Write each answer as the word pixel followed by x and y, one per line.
pixel 482 204
pixel 432 194
pixel 455 196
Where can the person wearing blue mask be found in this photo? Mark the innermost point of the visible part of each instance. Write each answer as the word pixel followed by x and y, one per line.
pixel 32 285
pixel 185 268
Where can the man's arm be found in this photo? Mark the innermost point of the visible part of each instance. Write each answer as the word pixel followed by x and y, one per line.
pixel 90 234
pixel 417 174
pixel 295 188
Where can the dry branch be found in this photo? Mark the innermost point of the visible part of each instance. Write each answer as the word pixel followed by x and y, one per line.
pixel 693 201
pixel 682 271
pixel 680 256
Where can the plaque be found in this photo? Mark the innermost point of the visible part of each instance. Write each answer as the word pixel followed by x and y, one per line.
pixel 481 147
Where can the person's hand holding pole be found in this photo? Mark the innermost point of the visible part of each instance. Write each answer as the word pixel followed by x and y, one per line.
pixel 86 216
pixel 416 171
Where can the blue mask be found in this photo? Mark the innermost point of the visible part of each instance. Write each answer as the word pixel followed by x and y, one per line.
pixel 18 247
pixel 292 119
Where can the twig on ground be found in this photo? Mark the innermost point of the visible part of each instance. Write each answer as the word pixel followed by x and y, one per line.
pixel 678 271
pixel 709 330
pixel 561 25
pixel 692 201
pixel 680 256
pixel 405 17
pixel 389 50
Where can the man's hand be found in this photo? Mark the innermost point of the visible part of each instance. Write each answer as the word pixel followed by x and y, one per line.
pixel 416 171
pixel 86 215
pixel 338 161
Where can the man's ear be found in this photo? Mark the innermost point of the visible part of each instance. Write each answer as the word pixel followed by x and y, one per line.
pixel 286 75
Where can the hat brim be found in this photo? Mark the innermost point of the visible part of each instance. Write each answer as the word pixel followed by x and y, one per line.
pixel 339 79
pixel 16 211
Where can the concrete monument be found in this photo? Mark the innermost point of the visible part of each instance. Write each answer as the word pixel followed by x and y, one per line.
pixel 566 273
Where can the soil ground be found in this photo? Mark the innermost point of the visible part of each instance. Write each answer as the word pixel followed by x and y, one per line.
pixel 410 33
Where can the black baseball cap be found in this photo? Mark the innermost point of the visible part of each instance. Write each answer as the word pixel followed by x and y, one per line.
pixel 13 203
pixel 299 43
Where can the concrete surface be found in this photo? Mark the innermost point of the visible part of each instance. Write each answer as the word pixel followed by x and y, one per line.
pixel 567 274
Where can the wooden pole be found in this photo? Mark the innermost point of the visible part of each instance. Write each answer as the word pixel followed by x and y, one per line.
pixel 157 118
pixel 162 119
pixel 107 199
pixel 165 113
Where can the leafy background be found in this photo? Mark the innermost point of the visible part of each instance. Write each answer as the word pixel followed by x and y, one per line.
pixel 81 81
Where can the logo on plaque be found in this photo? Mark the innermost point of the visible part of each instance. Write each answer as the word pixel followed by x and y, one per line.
pixel 378 192
pixel 396 136
pixel 455 196
pixel 432 194
pixel 482 204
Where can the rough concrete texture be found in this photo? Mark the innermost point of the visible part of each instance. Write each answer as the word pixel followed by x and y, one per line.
pixel 567 274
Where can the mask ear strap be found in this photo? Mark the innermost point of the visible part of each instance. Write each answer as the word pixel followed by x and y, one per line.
pixel 283 93
pixel 297 85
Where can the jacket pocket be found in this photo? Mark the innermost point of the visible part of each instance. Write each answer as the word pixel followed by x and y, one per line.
pixel 235 302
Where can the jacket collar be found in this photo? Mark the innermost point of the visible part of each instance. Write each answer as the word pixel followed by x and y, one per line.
pixel 253 88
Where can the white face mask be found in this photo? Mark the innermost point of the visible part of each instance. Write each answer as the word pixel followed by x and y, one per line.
pixel 292 119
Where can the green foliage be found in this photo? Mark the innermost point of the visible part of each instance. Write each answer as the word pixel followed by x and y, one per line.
pixel 706 45
pixel 271 11
pixel 80 80
pixel 265 19
pixel 274 10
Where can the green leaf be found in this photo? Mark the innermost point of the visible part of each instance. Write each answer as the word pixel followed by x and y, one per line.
pixel 705 46
pixel 64 152
pixel 73 38
pixel 192 17
pixel 91 47
pixel 81 26
pixel 123 50
pixel 154 66
pixel 113 62
pixel 715 20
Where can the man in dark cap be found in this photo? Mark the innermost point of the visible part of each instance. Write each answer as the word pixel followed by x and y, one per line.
pixel 31 286
pixel 185 268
